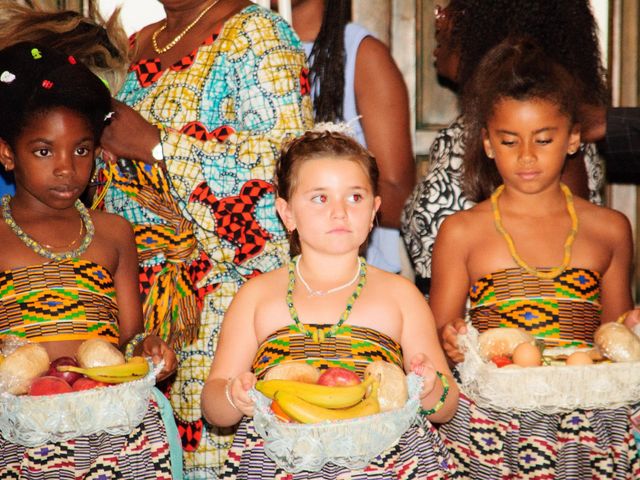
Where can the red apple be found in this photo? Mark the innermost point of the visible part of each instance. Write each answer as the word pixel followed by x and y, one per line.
pixel 48 385
pixel 87 384
pixel 338 376
pixel 69 377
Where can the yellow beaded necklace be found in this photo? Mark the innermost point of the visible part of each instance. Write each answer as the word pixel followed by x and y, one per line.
pixel 555 271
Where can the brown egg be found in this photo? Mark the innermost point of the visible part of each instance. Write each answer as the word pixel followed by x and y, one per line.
pixel 579 358
pixel 527 355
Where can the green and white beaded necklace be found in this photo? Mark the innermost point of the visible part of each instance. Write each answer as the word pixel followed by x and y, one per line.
pixel 319 335
pixel 40 249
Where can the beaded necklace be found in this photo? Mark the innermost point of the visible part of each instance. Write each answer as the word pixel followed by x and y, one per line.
pixel 319 335
pixel 555 271
pixel 37 247
pixel 322 293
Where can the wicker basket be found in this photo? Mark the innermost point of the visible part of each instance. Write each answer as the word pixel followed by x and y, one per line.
pixel 547 389
pixel 349 443
pixel 117 410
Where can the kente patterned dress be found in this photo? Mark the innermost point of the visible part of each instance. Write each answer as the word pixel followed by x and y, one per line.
pixel 75 300
pixel 439 194
pixel 419 454
pixel 584 444
pixel 205 220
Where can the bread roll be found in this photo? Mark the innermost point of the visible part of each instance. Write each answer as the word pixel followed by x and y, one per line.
pixel 617 342
pixel 22 366
pixel 98 353
pixel 501 341
pixel 297 371
pixel 392 391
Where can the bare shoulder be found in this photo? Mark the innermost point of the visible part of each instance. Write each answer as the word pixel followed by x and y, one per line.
pixel 609 223
pixel 391 285
pixel 463 223
pixel 374 57
pixel 111 225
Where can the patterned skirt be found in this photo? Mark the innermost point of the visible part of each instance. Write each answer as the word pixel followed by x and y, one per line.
pixel 419 454
pixel 141 455
pixel 584 444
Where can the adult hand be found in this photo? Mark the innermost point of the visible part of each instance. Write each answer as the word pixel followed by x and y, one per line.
pixel 154 347
pixel 449 335
pixel 128 135
pixel 593 122
pixel 238 390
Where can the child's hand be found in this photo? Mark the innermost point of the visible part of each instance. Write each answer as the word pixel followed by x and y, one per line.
pixel 238 393
pixel 154 347
pixel 632 320
pixel 449 336
pixel 421 365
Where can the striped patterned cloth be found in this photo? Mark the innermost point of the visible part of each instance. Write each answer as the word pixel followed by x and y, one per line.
pixel 419 454
pixel 548 308
pixel 497 445
pixel 57 301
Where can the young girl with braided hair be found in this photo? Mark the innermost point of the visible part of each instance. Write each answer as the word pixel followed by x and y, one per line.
pixel 68 274
pixel 535 257
pixel 308 311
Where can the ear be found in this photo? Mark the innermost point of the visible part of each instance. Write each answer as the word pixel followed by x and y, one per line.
pixel 486 144
pixel 574 140
pixel 285 213
pixel 7 158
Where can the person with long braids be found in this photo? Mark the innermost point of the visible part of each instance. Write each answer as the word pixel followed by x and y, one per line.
pixel 354 79
pixel 465 31
pixel 213 91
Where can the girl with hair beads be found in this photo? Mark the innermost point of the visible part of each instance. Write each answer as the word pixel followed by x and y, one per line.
pixel 531 256
pixel 327 199
pixel 69 274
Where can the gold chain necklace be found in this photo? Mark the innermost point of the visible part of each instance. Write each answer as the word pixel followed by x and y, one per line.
pixel 68 245
pixel 172 43
pixel 555 271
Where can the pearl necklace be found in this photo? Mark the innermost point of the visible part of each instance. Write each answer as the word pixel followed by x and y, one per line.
pixel 172 43
pixel 555 271
pixel 322 293
pixel 37 247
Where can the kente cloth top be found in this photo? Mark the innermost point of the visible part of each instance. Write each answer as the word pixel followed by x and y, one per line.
pixel 352 348
pixel 206 215
pixel 56 301
pixel 562 311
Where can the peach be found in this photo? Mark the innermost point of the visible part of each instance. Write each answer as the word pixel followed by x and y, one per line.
pixel 87 384
pixel 338 376
pixel 48 385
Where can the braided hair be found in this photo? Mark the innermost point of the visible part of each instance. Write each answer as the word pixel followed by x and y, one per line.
pixel 327 61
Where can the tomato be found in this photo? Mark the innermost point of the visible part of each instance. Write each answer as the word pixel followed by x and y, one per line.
pixel 279 413
pixel 501 360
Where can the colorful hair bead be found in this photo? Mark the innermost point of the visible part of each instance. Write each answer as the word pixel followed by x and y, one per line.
pixel 47 84
pixel 7 77
pixel 36 54
pixel 72 60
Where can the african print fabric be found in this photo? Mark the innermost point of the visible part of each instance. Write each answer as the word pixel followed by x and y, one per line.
pixel 583 444
pixel 141 455
pixel 439 194
pixel 563 311
pixel 419 454
pixel 206 222
pixel 58 301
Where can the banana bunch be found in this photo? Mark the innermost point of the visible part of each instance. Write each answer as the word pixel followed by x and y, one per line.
pixel 135 369
pixel 319 395
pixel 303 411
